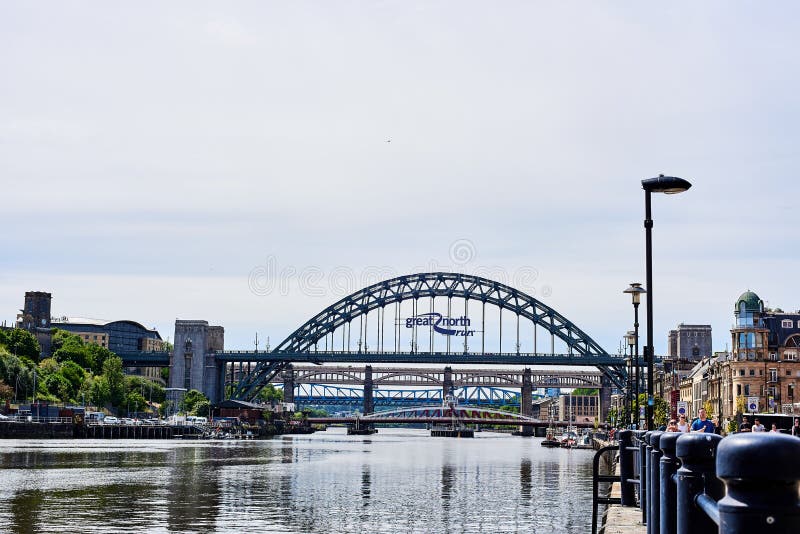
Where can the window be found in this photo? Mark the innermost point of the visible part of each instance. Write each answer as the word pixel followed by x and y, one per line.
pixel 738 389
pixel 741 372
pixel 747 389
pixel 788 372
pixel 787 323
pixel 696 351
pixel 773 356
pixel 790 355
pixel 773 375
pixel 752 372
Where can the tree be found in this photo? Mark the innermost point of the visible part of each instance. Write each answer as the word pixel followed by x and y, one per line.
pixel 75 374
pixel 135 402
pixel 191 400
pixel 270 394
pixel 112 372
pixel 585 391
pixel 99 391
pixel 660 409
pixel 23 343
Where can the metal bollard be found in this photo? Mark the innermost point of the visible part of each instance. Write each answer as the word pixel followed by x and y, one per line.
pixel 644 476
pixel 761 472
pixel 668 489
pixel 696 474
pixel 654 483
pixel 627 494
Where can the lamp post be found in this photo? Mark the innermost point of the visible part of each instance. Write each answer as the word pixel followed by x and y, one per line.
pixel 636 291
pixel 661 184
pixel 633 406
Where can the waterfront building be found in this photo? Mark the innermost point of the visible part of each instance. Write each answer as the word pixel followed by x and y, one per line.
pixel 762 366
pixel 577 408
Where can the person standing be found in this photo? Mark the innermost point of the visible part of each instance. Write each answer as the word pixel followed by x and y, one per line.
pixel 702 424
pixel 683 426
pixel 746 426
pixel 758 427
pixel 796 427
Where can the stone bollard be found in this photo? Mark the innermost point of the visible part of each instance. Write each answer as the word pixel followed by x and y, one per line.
pixel 644 477
pixel 697 452
pixel 627 493
pixel 654 483
pixel 668 489
pixel 761 472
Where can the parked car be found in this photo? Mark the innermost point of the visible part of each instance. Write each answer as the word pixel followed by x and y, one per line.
pixel 126 421
pixel 110 420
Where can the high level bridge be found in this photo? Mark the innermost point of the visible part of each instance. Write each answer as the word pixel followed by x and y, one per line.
pixel 429 318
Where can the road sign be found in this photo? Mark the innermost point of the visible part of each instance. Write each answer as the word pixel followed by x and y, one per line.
pixel 683 408
pixel 752 404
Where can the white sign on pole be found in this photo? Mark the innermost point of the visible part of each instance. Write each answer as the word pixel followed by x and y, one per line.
pixel 752 404
pixel 683 408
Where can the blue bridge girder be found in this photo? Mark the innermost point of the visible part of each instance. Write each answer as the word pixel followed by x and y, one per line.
pixel 327 395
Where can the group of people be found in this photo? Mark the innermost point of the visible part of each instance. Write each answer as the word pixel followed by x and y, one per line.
pixel 703 424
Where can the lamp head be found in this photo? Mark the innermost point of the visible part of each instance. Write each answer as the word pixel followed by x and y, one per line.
pixel 631 337
pixel 635 290
pixel 665 184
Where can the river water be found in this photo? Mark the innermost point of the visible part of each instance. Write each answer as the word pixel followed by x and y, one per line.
pixel 400 480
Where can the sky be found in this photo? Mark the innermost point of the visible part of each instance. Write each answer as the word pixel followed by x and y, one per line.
pixel 249 163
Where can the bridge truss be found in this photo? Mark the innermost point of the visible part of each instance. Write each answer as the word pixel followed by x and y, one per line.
pixel 328 395
pixel 316 340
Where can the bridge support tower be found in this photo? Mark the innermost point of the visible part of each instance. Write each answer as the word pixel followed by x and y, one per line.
pixel 605 397
pixel 526 401
pixel 192 363
pixel 288 383
pixel 447 383
pixel 369 404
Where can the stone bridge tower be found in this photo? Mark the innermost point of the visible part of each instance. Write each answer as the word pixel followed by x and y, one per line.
pixel 192 363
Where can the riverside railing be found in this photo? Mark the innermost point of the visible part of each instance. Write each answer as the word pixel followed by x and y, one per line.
pixel 700 483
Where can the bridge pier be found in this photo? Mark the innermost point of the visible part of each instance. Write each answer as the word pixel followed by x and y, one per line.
pixel 605 397
pixel 526 401
pixel 447 383
pixel 369 405
pixel 193 364
pixel 288 383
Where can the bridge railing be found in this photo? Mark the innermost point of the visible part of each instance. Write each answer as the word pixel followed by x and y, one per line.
pixel 698 483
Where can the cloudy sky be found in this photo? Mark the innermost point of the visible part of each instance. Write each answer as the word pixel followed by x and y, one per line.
pixel 248 163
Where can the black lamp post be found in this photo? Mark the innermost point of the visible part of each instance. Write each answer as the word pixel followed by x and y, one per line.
pixel 636 291
pixel 633 380
pixel 669 185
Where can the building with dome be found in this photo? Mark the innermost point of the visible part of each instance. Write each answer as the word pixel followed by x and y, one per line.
pixel 762 367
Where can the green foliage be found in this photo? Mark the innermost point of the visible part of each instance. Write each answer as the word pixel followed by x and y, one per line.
pixel 165 374
pixel 58 386
pixel 510 409
pixel 99 391
pixel 112 372
pixel 17 373
pixel 202 408
pixel 270 394
pixel 23 343
pixel 585 391
pixel 660 409
pixel 147 387
pixel 135 402
pixel 191 400
pixel 733 426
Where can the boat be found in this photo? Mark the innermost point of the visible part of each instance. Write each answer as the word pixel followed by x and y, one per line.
pixel 550 439
pixel 569 439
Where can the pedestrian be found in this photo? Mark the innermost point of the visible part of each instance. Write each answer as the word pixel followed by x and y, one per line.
pixel 796 427
pixel 672 426
pixel 774 428
pixel 758 427
pixel 702 424
pixel 746 426
pixel 683 426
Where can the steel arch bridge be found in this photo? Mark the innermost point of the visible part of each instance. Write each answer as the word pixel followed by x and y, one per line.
pixel 328 395
pixel 303 343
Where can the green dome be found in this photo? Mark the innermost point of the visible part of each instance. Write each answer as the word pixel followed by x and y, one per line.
pixel 751 301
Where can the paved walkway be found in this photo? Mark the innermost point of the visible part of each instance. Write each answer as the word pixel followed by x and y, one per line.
pixel 622 519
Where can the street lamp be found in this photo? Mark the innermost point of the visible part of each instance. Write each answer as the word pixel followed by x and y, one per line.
pixel 635 290
pixel 630 337
pixel 662 184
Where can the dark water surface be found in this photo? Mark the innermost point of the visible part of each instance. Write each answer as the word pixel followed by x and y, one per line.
pixel 396 481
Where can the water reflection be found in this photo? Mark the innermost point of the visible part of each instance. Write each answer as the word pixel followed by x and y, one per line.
pixel 399 480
